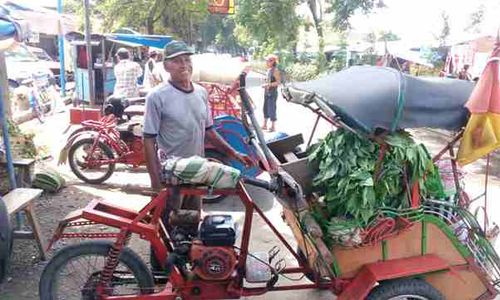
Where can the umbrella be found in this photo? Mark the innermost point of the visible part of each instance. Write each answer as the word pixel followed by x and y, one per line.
pixel 482 133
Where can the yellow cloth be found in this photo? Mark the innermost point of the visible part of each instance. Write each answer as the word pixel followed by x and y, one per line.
pixel 481 136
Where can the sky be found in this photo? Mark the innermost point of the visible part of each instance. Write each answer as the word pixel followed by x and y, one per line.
pixel 418 21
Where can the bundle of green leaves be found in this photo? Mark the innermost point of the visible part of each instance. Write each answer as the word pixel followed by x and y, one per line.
pixel 355 184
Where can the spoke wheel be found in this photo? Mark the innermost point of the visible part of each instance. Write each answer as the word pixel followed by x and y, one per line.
pixel 75 273
pixel 405 289
pixel 83 159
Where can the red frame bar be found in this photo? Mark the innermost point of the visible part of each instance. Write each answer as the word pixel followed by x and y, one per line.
pixel 147 223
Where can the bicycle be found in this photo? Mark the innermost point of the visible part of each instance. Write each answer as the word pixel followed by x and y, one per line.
pixel 37 96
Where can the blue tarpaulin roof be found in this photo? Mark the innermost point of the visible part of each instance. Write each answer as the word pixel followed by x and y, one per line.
pixel 156 41
pixel 132 40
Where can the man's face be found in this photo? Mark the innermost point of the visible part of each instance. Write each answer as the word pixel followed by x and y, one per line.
pixel 180 67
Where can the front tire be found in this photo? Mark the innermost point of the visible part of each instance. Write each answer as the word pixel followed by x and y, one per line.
pixel 79 166
pixel 58 283
pixel 405 289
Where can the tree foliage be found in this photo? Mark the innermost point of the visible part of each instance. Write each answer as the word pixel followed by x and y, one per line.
pixel 181 18
pixel 220 31
pixel 273 24
pixel 388 36
pixel 476 19
pixel 343 10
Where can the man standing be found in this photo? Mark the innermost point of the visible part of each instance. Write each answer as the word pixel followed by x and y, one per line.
pixel 150 79
pixel 464 73
pixel 126 74
pixel 273 80
pixel 177 120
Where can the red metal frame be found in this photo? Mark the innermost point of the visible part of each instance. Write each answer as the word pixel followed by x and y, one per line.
pixel 147 223
pixel 222 99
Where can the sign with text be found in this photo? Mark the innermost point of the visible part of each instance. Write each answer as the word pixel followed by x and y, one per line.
pixel 225 7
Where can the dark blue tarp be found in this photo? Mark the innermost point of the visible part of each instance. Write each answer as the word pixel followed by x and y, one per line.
pixel 368 98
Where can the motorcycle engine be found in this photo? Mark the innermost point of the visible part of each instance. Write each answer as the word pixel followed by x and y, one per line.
pixel 212 255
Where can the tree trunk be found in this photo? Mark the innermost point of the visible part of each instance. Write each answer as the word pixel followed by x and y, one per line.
pixel 151 16
pixel 317 17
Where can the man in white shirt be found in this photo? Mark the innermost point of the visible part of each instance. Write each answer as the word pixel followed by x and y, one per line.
pixel 126 74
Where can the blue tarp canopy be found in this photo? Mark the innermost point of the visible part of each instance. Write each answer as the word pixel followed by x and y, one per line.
pixel 131 40
pixel 156 41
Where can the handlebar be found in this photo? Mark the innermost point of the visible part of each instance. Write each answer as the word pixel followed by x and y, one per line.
pixel 260 183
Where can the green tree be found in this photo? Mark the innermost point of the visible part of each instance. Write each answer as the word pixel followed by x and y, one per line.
pixel 388 36
pixel 343 10
pixel 273 24
pixel 181 18
pixel 220 31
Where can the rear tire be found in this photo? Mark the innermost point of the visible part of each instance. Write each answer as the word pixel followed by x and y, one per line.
pixel 50 280
pixel 405 289
pixel 216 157
pixel 77 165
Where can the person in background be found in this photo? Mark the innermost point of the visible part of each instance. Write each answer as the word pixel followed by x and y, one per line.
pixel 150 78
pixel 405 68
pixel 464 73
pixel 159 71
pixel 273 80
pixel 126 73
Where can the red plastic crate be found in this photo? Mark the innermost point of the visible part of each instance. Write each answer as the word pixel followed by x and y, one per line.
pixel 78 114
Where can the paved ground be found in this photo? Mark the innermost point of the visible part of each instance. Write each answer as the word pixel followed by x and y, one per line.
pixel 26 268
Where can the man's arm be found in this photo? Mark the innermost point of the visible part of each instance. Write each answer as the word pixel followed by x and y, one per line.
pixel 152 163
pixel 152 119
pixel 225 148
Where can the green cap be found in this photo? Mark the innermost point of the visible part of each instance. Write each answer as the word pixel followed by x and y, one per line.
pixel 176 48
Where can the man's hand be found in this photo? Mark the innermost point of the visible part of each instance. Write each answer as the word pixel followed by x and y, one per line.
pixel 245 159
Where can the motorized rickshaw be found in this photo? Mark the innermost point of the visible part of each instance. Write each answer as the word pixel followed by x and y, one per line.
pixel 418 254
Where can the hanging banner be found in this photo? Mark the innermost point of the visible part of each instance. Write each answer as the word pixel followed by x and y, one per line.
pixel 225 7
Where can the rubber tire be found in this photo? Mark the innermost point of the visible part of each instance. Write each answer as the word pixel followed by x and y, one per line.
pixel 5 240
pixel 217 157
pixel 303 259
pixel 105 148
pixel 392 288
pixel 127 257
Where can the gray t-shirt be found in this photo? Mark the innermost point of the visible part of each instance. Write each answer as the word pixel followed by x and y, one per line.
pixel 178 119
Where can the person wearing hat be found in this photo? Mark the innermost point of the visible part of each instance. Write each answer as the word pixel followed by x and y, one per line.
pixel 126 74
pixel 150 78
pixel 271 91
pixel 177 120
